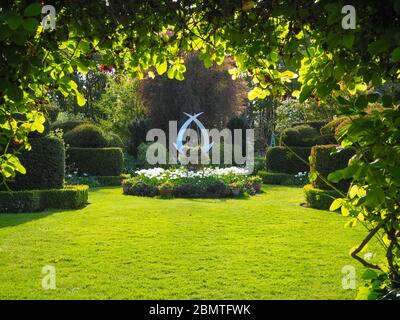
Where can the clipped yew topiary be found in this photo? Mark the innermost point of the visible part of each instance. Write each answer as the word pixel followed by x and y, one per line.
pixel 86 136
pixel 301 136
pixel 319 199
pixel 19 201
pixel 114 141
pixel 44 164
pixel 70 197
pixel 66 126
pixel 314 124
pixel 276 177
pixel 286 160
pixel 331 130
pixel 325 160
pixel 96 161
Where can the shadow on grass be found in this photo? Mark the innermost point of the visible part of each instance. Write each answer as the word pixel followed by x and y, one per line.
pixel 14 219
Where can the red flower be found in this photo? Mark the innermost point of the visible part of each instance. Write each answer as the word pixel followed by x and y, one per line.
pixel 105 69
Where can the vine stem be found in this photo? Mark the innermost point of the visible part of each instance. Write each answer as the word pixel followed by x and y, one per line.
pixel 355 253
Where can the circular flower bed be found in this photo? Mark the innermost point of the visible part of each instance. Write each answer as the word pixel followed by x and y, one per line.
pixel 183 183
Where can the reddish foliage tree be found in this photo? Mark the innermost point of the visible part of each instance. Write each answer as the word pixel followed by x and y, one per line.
pixel 211 91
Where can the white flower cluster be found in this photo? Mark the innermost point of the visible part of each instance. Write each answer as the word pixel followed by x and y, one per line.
pixel 301 174
pixel 161 174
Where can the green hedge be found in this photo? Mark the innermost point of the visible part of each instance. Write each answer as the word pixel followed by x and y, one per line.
pixel 331 130
pixel 300 136
pixel 86 136
pixel 319 199
pixel 110 181
pixel 45 165
pixel 281 159
pixel 275 177
pixel 315 124
pixel 96 161
pixel 324 162
pixel 67 125
pixel 71 197
pixel 114 141
pixel 19 201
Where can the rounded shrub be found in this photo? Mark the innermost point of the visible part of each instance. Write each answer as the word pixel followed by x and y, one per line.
pixel 285 160
pixel 44 164
pixel 96 161
pixel 218 188
pixel 319 199
pixel 300 136
pixel 66 126
pixel 86 136
pixel 188 190
pixel 331 130
pixel 137 187
pixel 114 141
pixel 324 160
pixel 314 124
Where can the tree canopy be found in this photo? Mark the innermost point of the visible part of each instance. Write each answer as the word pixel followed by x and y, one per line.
pixel 271 40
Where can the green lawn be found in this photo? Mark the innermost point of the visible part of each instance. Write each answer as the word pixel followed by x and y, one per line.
pixel 125 247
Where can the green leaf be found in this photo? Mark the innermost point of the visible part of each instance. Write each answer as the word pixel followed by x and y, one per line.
pixel 253 94
pixel 13 20
pixel 287 74
pixel 162 68
pixel 395 54
pixel 353 191
pixel 375 197
pixel 381 45
pixel 341 174
pixel 386 101
pixel 83 68
pixel 345 212
pixel 362 102
pixel 181 68
pixel 14 92
pixel 338 72
pixel 336 204
pixel 179 76
pixel 207 62
pixel 30 25
pixel 369 274
pixel 7 171
pixel 80 99
pixel 348 40
pixel 33 9
pixel 171 73
pixel 305 93
pixel 323 90
pixel 17 164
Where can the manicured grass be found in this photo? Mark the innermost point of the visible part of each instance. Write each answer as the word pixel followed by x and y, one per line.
pixel 125 247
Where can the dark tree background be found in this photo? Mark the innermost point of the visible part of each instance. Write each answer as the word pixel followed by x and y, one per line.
pixel 211 91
